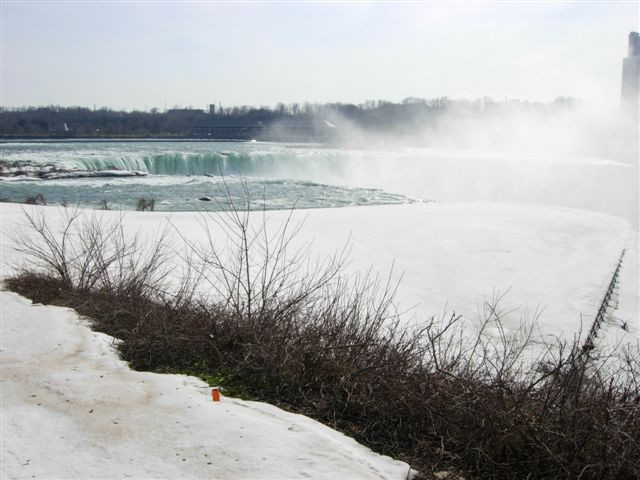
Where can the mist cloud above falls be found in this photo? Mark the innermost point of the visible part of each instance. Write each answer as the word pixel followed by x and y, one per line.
pixel 563 153
pixel 565 126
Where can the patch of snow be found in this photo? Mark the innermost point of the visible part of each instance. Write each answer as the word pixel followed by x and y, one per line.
pixel 71 409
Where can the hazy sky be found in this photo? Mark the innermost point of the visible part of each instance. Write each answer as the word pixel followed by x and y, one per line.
pixel 148 54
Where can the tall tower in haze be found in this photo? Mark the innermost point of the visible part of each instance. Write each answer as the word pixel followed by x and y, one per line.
pixel 630 99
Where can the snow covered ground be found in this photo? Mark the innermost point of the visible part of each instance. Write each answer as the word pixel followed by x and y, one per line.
pixel 71 409
pixel 454 256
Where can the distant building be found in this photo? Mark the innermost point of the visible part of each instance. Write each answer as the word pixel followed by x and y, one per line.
pixel 212 109
pixel 272 129
pixel 229 128
pixel 185 111
pixel 630 98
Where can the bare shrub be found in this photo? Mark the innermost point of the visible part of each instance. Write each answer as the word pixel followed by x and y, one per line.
pixel 267 322
pixel 88 253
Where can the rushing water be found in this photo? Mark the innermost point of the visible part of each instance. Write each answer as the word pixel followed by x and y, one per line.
pixel 178 174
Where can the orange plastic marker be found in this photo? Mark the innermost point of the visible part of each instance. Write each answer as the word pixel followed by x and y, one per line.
pixel 215 394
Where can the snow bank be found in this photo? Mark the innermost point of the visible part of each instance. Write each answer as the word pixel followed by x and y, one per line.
pixel 71 409
pixel 454 256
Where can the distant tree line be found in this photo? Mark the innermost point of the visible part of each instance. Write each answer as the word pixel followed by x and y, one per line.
pixel 371 116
